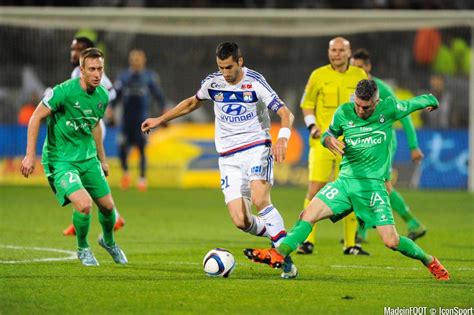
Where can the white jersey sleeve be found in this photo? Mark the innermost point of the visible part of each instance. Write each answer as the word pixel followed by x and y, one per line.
pixel 105 82
pixel 76 73
pixel 203 92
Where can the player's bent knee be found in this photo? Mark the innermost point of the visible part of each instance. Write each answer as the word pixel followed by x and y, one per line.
pixel 241 223
pixel 84 206
pixel 260 204
pixel 391 242
pixel 105 204
pixel 106 210
pixel 317 210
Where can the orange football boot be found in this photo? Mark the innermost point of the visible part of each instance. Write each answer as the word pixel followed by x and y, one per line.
pixel 438 270
pixel 119 223
pixel 69 231
pixel 125 182
pixel 266 256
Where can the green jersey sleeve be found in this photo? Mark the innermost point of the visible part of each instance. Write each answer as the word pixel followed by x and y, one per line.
pixel 385 92
pixel 54 98
pixel 404 108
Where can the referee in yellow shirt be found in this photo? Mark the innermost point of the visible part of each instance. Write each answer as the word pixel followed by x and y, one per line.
pixel 328 87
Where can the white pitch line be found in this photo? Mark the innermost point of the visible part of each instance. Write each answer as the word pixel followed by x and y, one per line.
pixel 189 263
pixel 72 255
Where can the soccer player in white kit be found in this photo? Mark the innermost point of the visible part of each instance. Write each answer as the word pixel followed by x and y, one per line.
pixel 77 46
pixel 242 98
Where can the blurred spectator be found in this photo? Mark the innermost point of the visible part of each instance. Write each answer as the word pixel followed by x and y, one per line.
pixel 426 44
pixel 445 116
pixel 27 109
pixel 135 86
pixel 460 50
pixel 444 62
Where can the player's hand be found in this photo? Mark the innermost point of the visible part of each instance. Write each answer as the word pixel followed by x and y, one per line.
pixel 149 124
pixel 28 165
pixel 105 168
pixel 334 145
pixel 417 155
pixel 315 132
pixel 279 149
pixel 431 108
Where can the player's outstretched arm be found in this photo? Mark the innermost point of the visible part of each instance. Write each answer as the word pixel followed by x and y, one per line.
pixel 406 107
pixel 184 107
pixel 28 164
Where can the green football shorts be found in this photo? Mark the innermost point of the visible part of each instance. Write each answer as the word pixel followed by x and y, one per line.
pixel 68 177
pixel 367 197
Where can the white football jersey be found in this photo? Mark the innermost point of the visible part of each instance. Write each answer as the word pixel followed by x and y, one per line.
pixel 241 110
pixel 105 82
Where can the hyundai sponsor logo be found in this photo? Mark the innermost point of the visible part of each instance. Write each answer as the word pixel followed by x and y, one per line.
pixel 234 109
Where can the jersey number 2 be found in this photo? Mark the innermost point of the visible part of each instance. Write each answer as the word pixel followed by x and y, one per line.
pixel 71 177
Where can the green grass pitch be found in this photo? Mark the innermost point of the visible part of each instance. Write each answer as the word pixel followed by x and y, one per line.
pixel 168 232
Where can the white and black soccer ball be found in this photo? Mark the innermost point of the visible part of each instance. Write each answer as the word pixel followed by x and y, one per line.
pixel 218 262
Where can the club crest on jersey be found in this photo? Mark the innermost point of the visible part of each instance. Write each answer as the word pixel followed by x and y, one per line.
pixel 381 119
pixel 219 97
pixel 350 124
pixel 99 106
pixel 248 97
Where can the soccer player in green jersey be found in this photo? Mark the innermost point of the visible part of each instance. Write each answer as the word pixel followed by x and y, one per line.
pixel 73 154
pixel 366 125
pixel 361 59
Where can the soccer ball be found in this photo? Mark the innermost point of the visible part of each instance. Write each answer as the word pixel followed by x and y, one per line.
pixel 218 262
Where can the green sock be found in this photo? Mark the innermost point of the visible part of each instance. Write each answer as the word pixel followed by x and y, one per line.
pixel 107 220
pixel 400 207
pixel 295 237
pixel 409 248
pixel 82 224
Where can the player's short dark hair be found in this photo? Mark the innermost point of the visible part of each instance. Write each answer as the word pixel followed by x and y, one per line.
pixel 366 90
pixel 92 53
pixel 362 54
pixel 87 42
pixel 226 49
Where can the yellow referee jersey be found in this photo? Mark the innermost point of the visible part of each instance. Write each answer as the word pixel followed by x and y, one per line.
pixel 327 89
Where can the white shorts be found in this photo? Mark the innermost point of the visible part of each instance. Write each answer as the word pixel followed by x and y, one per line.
pixel 239 169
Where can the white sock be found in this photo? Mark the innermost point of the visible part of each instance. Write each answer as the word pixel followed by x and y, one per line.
pixel 274 224
pixel 257 227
